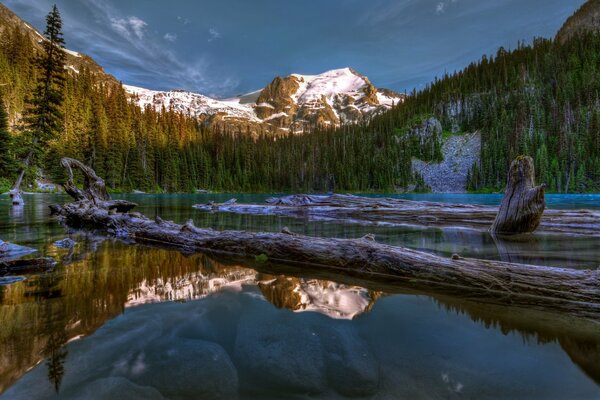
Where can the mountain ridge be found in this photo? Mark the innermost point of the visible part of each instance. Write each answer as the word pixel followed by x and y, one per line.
pixel 296 103
pixel 586 18
pixel 75 61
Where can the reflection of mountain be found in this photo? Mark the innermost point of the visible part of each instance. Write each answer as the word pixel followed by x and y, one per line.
pixel 333 299
pixel 191 286
pixel 82 294
pixel 99 279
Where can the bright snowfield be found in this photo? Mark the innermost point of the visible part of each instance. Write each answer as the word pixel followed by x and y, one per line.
pixel 331 84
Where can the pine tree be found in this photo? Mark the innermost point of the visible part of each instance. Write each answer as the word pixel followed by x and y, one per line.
pixel 6 162
pixel 44 117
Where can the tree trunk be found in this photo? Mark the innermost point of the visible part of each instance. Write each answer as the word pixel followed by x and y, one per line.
pixel 576 292
pixel 15 193
pixel 523 203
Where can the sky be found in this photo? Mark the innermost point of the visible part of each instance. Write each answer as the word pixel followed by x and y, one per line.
pixel 223 48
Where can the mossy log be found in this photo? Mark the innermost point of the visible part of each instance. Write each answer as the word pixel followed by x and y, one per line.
pixel 523 203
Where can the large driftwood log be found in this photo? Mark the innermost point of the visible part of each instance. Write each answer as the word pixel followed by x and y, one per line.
pixel 523 203
pixel 390 211
pixel 94 188
pixel 566 290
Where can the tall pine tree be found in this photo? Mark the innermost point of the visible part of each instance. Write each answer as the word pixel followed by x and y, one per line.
pixel 44 116
pixel 6 161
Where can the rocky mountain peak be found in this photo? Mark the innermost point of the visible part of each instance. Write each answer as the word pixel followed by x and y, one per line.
pixel 586 18
pixel 276 97
pixel 295 103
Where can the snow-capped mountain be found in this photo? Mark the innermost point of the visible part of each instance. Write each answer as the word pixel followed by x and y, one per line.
pixel 295 103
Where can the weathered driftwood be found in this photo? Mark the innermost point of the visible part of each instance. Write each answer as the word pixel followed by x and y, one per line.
pixel 567 290
pixel 16 197
pixel 574 291
pixel 94 189
pixel 390 211
pixel 523 203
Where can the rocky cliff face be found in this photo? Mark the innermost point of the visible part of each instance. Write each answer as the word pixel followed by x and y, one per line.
pixel 460 152
pixel 587 18
pixel 295 103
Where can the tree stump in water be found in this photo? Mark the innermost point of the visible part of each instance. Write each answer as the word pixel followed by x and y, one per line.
pixel 16 198
pixel 523 203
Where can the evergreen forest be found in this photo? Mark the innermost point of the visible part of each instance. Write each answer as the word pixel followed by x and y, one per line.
pixel 540 99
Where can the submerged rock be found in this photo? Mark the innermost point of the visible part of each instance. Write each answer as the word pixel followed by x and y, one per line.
pixel 352 369
pixel 10 251
pixel 114 388
pixel 186 368
pixel 9 280
pixel 279 350
pixel 66 243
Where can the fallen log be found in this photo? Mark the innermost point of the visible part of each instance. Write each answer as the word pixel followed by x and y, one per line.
pixel 574 291
pixel 566 290
pixel 390 211
pixel 16 197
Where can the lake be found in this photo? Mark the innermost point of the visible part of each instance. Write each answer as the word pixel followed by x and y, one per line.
pixel 114 320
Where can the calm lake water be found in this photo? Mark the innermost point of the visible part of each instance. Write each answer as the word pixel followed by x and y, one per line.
pixel 119 321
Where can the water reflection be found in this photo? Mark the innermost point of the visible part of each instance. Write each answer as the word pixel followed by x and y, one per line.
pixel 17 212
pixel 333 299
pixel 385 339
pixel 45 311
pixel 36 229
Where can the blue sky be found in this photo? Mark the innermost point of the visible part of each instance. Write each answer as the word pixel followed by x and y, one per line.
pixel 227 47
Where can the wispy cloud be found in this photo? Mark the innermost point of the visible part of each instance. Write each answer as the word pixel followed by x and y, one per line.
pixel 128 49
pixel 441 7
pixel 170 37
pixel 183 20
pixel 214 34
pixel 128 26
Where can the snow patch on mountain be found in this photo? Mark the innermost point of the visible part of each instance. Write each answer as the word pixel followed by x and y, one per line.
pixel 190 103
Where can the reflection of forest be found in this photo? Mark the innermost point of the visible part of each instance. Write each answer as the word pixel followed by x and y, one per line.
pixel 98 280
pixel 101 279
pixel 41 313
